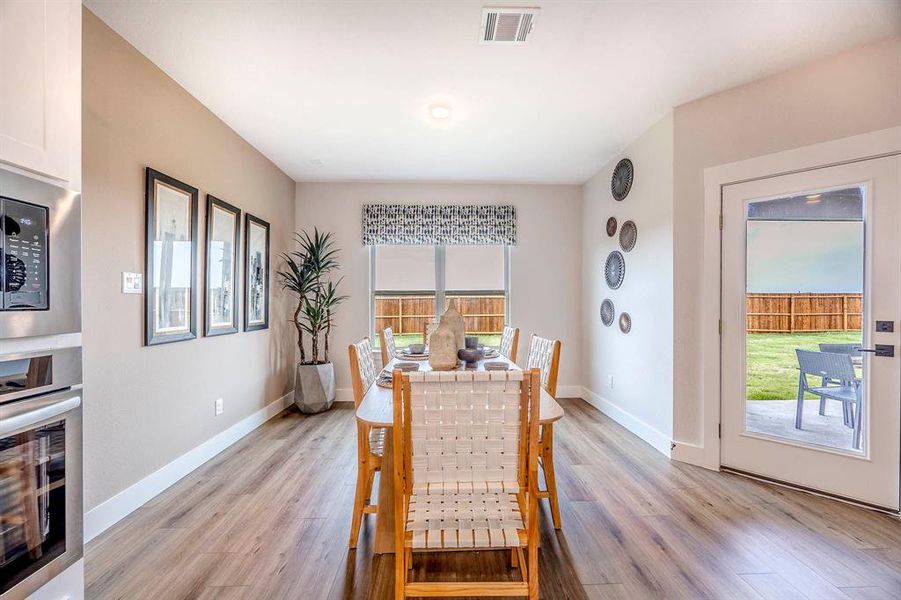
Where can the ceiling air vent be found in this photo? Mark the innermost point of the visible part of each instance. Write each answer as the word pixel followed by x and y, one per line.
pixel 507 25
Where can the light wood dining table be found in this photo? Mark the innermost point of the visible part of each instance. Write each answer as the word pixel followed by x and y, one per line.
pixel 377 410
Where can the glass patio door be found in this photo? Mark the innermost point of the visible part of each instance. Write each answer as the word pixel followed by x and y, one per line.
pixel 811 304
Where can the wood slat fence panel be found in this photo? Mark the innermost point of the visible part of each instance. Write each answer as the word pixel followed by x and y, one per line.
pixel 409 314
pixel 797 313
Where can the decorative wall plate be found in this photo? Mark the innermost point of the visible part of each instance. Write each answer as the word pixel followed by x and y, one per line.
pixel 625 322
pixel 611 226
pixel 607 312
pixel 615 269
pixel 628 235
pixel 621 182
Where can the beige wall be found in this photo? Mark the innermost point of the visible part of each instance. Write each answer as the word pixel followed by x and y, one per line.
pixel 145 407
pixel 854 92
pixel 545 265
pixel 641 362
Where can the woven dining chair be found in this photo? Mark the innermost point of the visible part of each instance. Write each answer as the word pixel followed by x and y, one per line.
pixel 465 474
pixel 510 343
pixel 544 355
pixel 389 350
pixel 370 440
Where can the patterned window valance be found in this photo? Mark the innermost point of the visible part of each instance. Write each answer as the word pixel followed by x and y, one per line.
pixel 394 224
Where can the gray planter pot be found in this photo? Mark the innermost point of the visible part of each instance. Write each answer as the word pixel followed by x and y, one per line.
pixel 314 388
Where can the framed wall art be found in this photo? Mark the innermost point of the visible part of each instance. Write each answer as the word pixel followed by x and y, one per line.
pixel 256 273
pixel 170 299
pixel 220 293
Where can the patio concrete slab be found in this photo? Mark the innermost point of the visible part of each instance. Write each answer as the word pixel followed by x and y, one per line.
pixel 777 418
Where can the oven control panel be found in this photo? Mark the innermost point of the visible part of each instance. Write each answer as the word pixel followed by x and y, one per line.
pixel 24 271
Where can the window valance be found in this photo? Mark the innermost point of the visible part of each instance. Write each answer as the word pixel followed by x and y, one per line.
pixel 431 224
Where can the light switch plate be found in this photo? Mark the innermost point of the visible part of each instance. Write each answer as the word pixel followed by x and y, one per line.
pixel 132 283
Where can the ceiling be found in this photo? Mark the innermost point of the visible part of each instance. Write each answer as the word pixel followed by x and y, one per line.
pixel 340 90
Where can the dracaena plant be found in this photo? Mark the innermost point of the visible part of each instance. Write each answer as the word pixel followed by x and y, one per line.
pixel 306 273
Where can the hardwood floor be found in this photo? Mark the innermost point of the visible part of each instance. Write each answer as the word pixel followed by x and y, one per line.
pixel 270 517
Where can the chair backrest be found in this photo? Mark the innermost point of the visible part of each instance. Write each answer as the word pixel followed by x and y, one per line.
pixel 851 349
pixel 825 364
pixel 466 430
pixel 388 348
pixel 510 342
pixel 428 329
pixel 362 368
pixel 544 355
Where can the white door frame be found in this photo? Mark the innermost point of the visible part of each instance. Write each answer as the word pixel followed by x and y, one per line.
pixel 885 142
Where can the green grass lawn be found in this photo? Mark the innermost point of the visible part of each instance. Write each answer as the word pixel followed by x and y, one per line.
pixel 405 339
pixel 773 366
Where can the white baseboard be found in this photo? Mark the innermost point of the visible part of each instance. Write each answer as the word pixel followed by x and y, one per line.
pixel 657 439
pixel 344 395
pixel 105 515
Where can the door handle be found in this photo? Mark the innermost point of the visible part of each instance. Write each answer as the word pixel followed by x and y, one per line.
pixel 886 350
pixel 49 410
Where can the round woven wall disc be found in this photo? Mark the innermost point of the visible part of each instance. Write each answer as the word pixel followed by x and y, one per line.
pixel 628 235
pixel 611 226
pixel 621 182
pixel 607 312
pixel 615 269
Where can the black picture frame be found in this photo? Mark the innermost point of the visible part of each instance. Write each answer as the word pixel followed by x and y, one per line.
pixel 154 181
pixel 212 205
pixel 251 271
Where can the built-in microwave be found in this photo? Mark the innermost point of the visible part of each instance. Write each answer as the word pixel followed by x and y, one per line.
pixel 40 270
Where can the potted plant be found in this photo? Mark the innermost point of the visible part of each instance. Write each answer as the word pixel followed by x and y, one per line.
pixel 306 273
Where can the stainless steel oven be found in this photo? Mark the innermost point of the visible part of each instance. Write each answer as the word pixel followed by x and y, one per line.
pixel 40 468
pixel 40 270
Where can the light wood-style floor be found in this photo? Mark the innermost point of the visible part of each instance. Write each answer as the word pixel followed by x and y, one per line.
pixel 269 518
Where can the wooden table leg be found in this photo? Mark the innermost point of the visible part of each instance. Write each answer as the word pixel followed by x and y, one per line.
pixel 384 520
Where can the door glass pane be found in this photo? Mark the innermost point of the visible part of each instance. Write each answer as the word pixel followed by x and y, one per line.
pixel 475 287
pixel 404 290
pixel 804 303
pixel 32 501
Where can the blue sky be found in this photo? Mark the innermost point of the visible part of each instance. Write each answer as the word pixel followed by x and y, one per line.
pixel 805 256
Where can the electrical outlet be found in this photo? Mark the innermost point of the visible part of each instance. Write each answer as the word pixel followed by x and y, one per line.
pixel 610 381
pixel 219 408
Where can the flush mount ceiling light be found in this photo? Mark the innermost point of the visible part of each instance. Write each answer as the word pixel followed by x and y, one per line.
pixel 440 112
pixel 813 198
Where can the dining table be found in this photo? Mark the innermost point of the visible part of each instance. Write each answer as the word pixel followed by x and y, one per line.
pixel 377 410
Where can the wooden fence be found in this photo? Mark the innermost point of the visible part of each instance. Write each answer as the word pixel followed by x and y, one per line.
pixel 482 314
pixel 797 313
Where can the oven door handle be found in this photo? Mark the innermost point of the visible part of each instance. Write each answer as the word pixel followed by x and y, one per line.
pixel 47 411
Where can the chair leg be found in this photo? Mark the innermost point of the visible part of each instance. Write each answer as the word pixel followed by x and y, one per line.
pixel 858 424
pixel 799 412
pixel 368 483
pixel 823 400
pixel 400 573
pixel 547 465
pixel 532 573
pixel 848 414
pixel 360 493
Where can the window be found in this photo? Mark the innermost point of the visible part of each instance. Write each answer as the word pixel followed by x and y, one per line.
pixel 412 285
